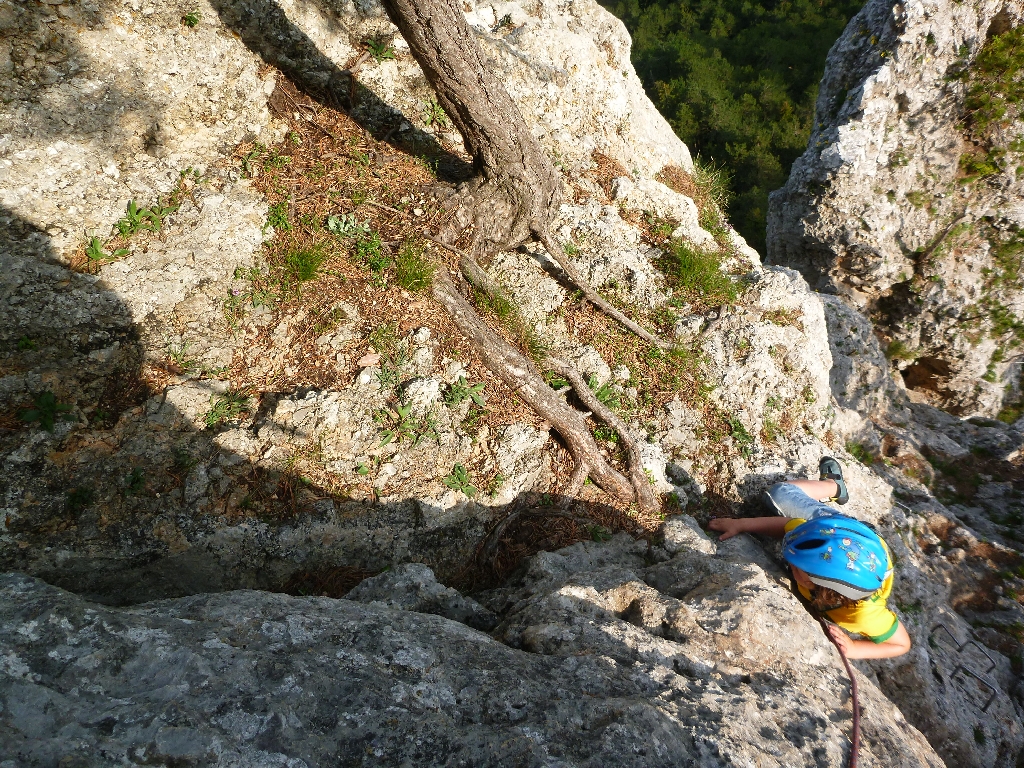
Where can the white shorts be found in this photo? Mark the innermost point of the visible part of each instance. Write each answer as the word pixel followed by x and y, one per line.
pixel 788 500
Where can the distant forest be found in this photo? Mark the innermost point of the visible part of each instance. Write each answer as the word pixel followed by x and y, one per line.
pixel 737 80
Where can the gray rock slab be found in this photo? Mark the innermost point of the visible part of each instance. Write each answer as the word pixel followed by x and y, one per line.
pixel 249 678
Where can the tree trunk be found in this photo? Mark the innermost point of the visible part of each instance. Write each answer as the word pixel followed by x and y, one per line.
pixel 514 197
pixel 517 188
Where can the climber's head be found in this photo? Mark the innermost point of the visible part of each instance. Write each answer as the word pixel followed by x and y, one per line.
pixel 839 553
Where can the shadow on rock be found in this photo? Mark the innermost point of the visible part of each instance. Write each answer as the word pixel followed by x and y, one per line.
pixel 124 479
pixel 267 31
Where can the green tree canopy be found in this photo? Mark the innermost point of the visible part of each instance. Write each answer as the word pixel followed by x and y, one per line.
pixel 737 80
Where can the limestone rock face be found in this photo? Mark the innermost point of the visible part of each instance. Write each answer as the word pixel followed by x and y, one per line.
pixel 910 209
pixel 603 659
pixel 685 651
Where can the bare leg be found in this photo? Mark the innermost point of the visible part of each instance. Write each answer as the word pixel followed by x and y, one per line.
pixel 819 490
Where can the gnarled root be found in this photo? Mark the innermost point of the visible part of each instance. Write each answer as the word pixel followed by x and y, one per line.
pixel 645 497
pixel 519 374
pixel 557 253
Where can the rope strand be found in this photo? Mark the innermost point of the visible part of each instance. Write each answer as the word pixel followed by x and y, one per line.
pixel 855 738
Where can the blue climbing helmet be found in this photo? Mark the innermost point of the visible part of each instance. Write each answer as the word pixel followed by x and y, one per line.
pixel 840 553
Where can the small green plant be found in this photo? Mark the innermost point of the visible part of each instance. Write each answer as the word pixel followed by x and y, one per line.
pixel 277 217
pixel 413 271
pixel 599 533
pixel 995 83
pixel 459 480
pixel 1011 413
pixel 917 198
pixel 461 390
pixel 570 248
pixel 402 425
pixel 347 225
pixel 227 407
pixel 910 608
pixel 662 229
pixel 979 734
pixel 899 159
pixel 362 470
pixel 384 339
pixel 712 182
pixel 506 311
pixel 606 434
pixel 370 251
pixel 276 160
pixel 555 380
pixel 179 355
pixel 303 264
pixel 137 219
pixel 605 393
pixel 79 498
pixel 974 167
pixel 434 115
pixel 381 50
pixel 697 274
pixel 191 19
pixel 135 483
pixel 504 22
pixel 390 374
pixel 897 350
pixel 184 461
pixel 249 160
pixel 473 418
pixel 25 344
pixel 772 430
pixel 95 253
pixel 860 452
pixel 495 485
pixel 744 440
pixel 46 410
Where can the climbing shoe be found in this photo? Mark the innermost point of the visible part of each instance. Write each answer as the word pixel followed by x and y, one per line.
pixel 831 470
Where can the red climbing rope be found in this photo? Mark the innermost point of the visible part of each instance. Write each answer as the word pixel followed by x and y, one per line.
pixel 855 738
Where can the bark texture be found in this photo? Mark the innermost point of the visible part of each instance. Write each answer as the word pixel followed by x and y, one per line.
pixel 517 187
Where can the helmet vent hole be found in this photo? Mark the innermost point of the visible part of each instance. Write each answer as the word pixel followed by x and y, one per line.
pixel 811 544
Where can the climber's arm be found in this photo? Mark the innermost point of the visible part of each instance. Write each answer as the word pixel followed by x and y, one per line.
pixel 765 526
pixel 896 645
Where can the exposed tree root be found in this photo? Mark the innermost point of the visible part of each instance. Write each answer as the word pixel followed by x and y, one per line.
pixel 645 497
pixel 557 253
pixel 519 373
pixel 513 198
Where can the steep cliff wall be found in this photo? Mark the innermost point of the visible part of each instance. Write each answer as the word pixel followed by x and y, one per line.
pixel 241 394
pixel 908 200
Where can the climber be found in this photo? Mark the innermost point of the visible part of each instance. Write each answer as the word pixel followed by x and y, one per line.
pixel 841 566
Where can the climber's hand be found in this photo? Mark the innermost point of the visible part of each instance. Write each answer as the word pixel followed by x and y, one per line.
pixel 841 639
pixel 728 526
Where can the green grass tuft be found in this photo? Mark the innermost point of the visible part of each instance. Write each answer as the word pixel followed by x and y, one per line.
pixel 860 452
pixel 413 271
pixel 697 274
pixel 304 264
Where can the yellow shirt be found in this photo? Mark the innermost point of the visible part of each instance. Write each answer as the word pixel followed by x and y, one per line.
pixel 868 617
